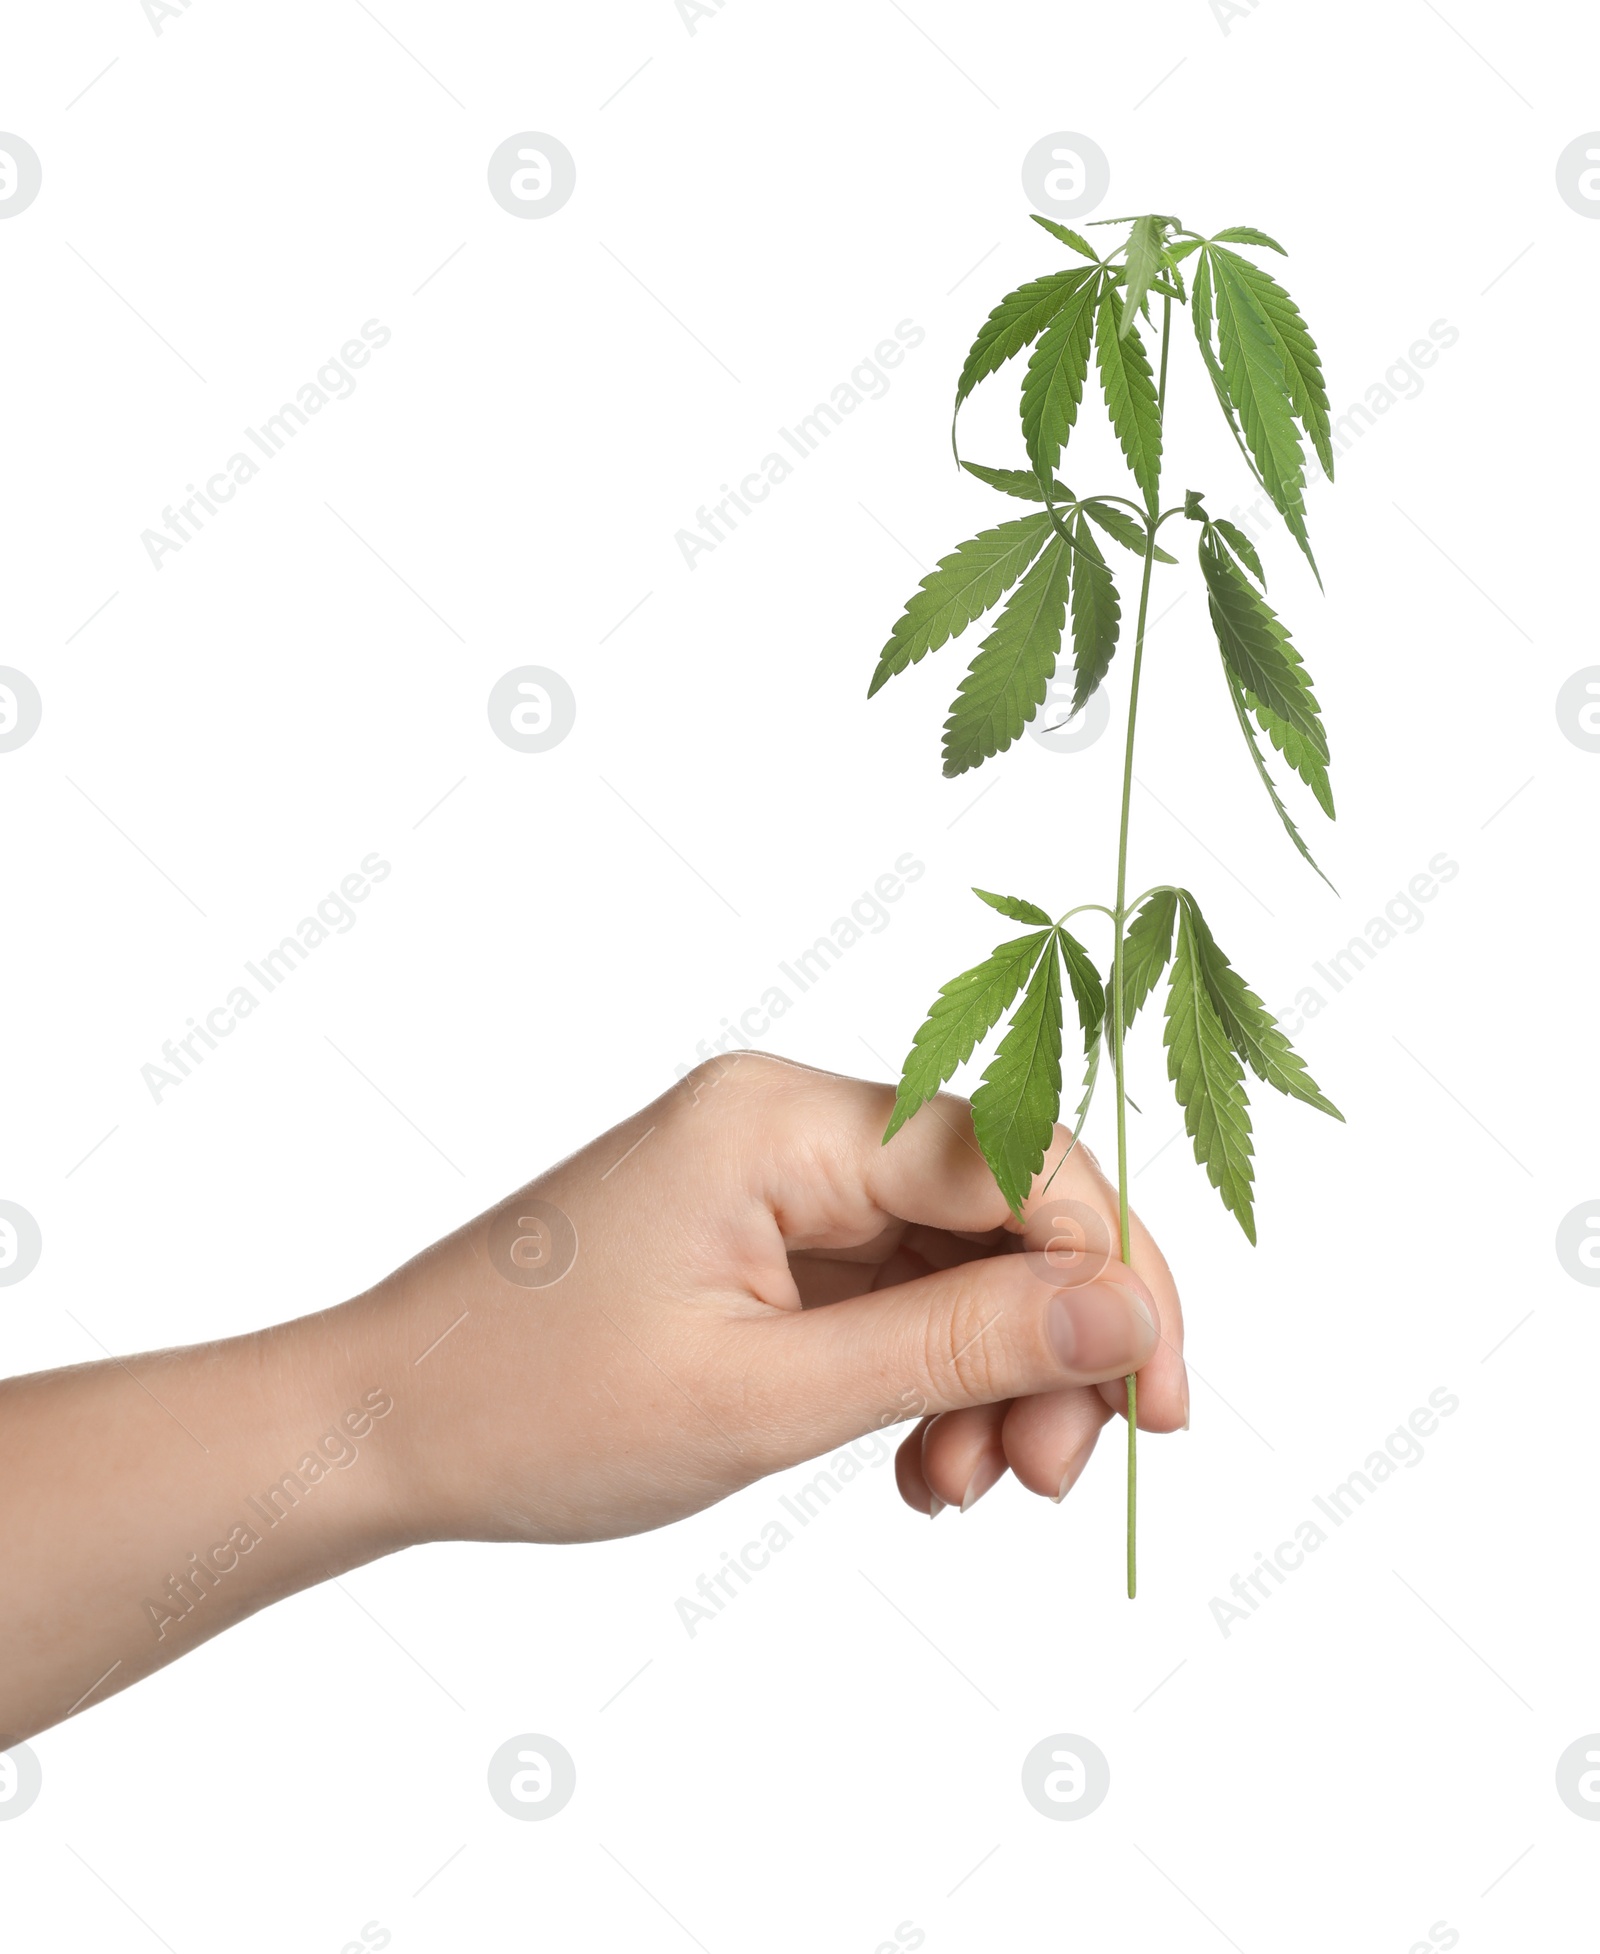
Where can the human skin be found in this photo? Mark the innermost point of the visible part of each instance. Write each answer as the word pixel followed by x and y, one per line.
pixel 758 1280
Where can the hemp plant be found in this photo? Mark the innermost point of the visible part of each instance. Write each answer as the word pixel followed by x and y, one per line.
pixel 1263 365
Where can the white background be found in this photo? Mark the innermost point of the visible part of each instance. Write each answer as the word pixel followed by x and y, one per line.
pixel 762 202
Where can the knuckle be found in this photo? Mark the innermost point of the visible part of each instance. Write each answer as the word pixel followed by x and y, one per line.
pixel 964 1348
pixel 717 1086
pixel 726 1078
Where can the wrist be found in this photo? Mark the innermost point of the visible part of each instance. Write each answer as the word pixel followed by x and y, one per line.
pixel 412 1341
pixel 322 1483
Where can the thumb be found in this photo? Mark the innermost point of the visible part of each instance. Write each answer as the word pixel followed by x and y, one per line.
pixel 1003 1326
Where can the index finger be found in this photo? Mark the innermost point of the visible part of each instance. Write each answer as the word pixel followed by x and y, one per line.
pixel 830 1182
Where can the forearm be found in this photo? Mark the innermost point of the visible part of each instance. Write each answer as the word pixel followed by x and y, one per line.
pixel 147 1504
pixel 770 1284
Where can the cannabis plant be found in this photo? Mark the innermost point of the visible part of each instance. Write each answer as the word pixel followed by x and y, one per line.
pixel 1263 366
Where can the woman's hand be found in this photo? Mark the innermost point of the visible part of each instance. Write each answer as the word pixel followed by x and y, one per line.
pixel 733 1281
pixel 757 1280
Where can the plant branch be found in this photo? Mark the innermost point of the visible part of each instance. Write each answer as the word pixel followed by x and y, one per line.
pixel 1121 920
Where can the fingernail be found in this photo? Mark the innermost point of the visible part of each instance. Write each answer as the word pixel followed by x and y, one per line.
pixel 1100 1328
pixel 935 1506
pixel 1185 1404
pixel 1075 1467
pixel 980 1482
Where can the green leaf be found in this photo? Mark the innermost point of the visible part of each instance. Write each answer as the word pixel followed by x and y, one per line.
pixel 1096 616
pixel 1176 253
pixel 1208 1079
pixel 1068 237
pixel 1143 263
pixel 1014 1110
pixel 1052 387
pixel 1295 750
pixel 1243 234
pixel 1014 907
pixel 1006 683
pixel 1256 650
pixel 1088 991
pixel 1308 394
pixel 1015 322
pixel 1311 769
pixel 1305 752
pixel 1130 392
pixel 1251 1028
pixel 1091 1074
pixel 1202 312
pixel 1241 546
pixel 1258 386
pixel 966 1010
pixel 1021 482
pixel 1146 949
pixel 1238 697
pixel 1122 528
pixel 965 584
pixel 1089 994
pixel 1096 222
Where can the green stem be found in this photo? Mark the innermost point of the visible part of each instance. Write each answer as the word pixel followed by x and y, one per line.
pixel 1121 920
pixel 1124 500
